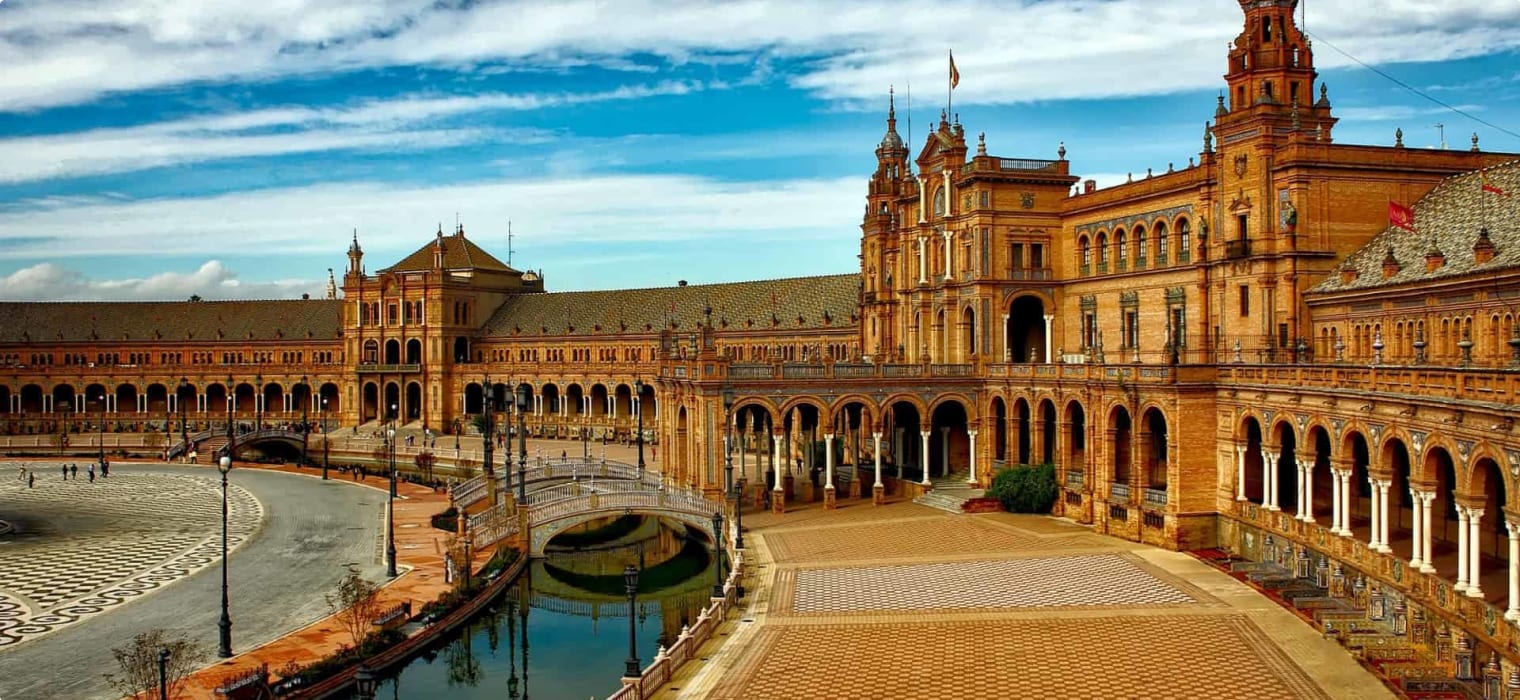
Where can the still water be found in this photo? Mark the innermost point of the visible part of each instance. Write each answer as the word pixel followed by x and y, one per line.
pixel 560 632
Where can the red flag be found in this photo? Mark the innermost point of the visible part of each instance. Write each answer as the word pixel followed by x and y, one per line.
pixel 1489 186
pixel 1400 216
pixel 955 75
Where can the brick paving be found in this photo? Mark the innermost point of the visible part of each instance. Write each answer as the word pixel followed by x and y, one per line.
pixel 900 602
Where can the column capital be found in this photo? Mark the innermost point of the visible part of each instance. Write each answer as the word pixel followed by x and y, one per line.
pixel 876 434
pixel 971 433
pixel 1514 529
pixel 1241 449
pixel 828 436
pixel 925 433
pixel 1475 513
pixel 1049 317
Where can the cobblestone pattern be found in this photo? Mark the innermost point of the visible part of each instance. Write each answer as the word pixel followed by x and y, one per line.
pixel 1215 657
pixel 94 546
pixel 895 539
pixel 1094 580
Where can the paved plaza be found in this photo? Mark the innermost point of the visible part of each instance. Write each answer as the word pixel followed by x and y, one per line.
pixel 904 601
pixel 94 564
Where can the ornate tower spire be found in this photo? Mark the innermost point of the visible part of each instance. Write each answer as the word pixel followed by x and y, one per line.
pixel 355 256
pixel 332 285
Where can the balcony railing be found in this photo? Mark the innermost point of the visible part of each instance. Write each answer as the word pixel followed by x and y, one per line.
pixel 1031 273
pixel 1237 249
pixel 1118 491
pixel 388 369
pixel 1155 497
pixel 1074 478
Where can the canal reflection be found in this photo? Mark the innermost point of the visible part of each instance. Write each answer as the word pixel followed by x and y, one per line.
pixel 570 609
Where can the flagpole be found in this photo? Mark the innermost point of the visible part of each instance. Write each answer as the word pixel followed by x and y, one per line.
pixel 950 86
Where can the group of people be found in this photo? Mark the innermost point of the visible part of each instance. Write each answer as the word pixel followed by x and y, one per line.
pixel 67 471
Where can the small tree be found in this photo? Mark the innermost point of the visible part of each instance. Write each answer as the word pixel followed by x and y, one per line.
pixel 356 603
pixel 139 663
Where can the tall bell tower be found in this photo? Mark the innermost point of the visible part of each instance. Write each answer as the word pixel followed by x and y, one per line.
pixel 878 244
pixel 1271 77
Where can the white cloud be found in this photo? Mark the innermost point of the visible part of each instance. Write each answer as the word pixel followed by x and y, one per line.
pixel 395 124
pixel 70 51
pixel 395 218
pixel 213 280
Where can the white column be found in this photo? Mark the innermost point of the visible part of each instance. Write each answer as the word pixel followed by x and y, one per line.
pixel 1346 502
pixel 1306 491
pixel 1513 613
pixel 1048 319
pixel 1383 517
pixel 1268 485
pixel 949 259
pixel 1008 351
pixel 949 194
pixel 923 206
pixel 1429 566
pixel 775 462
pixel 1335 502
pixel 1475 555
pixel 828 461
pixel 1377 513
pixel 1462 549
pixel 972 434
pixel 923 259
pixel 923 457
pixel 876 450
pixel 1240 472
pixel 1417 558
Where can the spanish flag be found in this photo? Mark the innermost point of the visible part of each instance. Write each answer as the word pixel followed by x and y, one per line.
pixel 1400 216
pixel 1489 186
pixel 955 75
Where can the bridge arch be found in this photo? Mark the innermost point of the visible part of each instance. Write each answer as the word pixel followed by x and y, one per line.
pixel 545 531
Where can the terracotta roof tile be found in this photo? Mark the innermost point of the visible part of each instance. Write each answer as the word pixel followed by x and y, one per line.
pixel 459 253
pixel 820 302
pixel 1447 218
pixel 169 320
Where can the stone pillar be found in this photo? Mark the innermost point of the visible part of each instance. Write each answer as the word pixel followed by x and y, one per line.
pixel 1335 502
pixel 1463 548
pixel 1377 513
pixel 1268 481
pixel 778 492
pixel 1383 518
pixel 972 479
pixel 923 259
pixel 924 456
pixel 828 471
pixel 1007 351
pixel 1513 613
pixel 1048 319
pixel 1429 566
pixel 878 489
pixel 1306 491
pixel 923 202
pixel 1240 472
pixel 949 258
pixel 1417 546
pixel 1474 556
pixel 1346 502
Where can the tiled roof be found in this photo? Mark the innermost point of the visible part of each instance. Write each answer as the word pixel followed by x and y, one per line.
pixel 1448 219
pixel 169 320
pixel 459 253
pixel 820 301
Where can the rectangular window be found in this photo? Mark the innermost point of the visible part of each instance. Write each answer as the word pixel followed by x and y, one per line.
pixel 1089 329
pixel 1240 227
pixel 985 199
pixel 390 314
pixel 1179 327
pixel 1282 335
pixel 1131 329
pixel 1018 256
pixel 1037 256
pixel 1245 300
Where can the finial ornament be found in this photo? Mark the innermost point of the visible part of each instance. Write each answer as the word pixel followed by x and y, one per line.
pixel 1061 151
pixel 1208 138
pixel 1398 137
pixel 1475 142
pixel 981 144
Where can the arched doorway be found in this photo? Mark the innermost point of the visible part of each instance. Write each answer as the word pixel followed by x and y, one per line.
pixel 1286 467
pixel 968 335
pixel 1444 526
pixel 1076 437
pixel 328 401
pixel 1048 428
pixel 949 444
pixel 414 352
pixel 370 408
pixel 1025 437
pixel 393 352
pixel 1026 330
pixel 1359 515
pixel 904 425
pixel 392 406
pixel 683 452
pixel 1119 437
pixel 1255 487
pixel 1486 486
pixel 413 402
pixel 1321 483
pixel 474 399
pixel 1153 437
pixel 999 430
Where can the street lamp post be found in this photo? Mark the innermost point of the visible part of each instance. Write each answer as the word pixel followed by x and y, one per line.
pixel 365 683
pixel 323 414
pixel 487 436
pixel 305 424
pixel 184 430
pixel 390 511
pixel 102 429
pixel 163 673
pixel 258 402
pixel 631 584
pixel 718 552
pixel 638 392
pixel 224 625
pixel 391 433
pixel 522 444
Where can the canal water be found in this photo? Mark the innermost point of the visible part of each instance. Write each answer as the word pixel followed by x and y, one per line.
pixel 560 632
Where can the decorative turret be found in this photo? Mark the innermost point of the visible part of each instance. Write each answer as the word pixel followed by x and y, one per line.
pixel 332 285
pixel 1271 70
pixel 355 256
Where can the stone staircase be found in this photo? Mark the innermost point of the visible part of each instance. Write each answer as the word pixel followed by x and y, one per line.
pixel 950 491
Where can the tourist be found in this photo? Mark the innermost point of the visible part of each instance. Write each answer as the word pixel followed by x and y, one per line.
pixel 74 471
pixel 105 469
pixel 91 471
pixel 21 476
pixel 65 469
pixel 31 481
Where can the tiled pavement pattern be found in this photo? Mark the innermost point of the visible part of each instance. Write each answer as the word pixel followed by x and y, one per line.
pixel 1110 657
pixel 1091 580
pixel 902 603
pixel 87 547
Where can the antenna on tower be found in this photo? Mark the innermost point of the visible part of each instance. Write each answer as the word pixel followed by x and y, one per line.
pixel 1442 129
pixel 509 242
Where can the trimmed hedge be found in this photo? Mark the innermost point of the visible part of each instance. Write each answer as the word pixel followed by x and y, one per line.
pixel 1025 489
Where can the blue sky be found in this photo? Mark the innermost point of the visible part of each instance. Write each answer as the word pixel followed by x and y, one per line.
pixel 162 148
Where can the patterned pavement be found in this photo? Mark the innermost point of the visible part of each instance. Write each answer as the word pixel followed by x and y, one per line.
pixel 82 548
pixel 903 602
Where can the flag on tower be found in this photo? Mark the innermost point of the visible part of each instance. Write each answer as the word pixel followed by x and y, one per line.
pixel 955 75
pixel 1489 186
pixel 1400 216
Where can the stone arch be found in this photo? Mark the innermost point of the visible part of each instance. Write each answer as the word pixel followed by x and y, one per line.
pixel 997 411
pixel 390 405
pixel 1119 430
pixel 370 403
pixel 552 397
pixel 1251 434
pixel 1487 488
pixel 371 352
pixel 1442 468
pixel 1317 447
pixel 871 415
pixel 1022 451
pixel 413 404
pixel 912 399
pixel 757 403
pixel 1050 426
pixel 904 418
pixel 392 352
pixel 1473 482
pixel 1155 445
pixel 966 403
pixel 951 417
pixel 474 399
pixel 683 449
pixel 328 398
pixel 94 398
pixel 1024 338
pixel 1075 422
pixel 1248 419
pixel 968 334
pixel 598 394
pixel 1286 463
pixel 126 398
pixel 576 395
pixel 414 352
pixel 31 398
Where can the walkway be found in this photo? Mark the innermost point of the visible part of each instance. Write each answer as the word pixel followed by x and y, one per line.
pixel 907 601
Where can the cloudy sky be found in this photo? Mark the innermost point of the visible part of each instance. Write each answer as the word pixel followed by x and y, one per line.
pixel 228 148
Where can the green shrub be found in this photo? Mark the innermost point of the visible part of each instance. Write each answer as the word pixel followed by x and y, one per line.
pixel 1025 489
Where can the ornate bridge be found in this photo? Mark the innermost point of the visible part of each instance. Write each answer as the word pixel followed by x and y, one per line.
pixel 209 442
pixel 555 509
pixel 468 493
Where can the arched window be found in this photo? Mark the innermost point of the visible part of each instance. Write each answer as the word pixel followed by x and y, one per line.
pixel 1121 245
pixel 1142 248
pixel 1184 241
pixel 1161 244
pixel 1086 247
pixel 1102 249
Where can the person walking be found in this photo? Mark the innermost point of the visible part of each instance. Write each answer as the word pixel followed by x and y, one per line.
pixel 65 470
pixel 31 480
pixel 74 471
pixel 91 471
pixel 105 469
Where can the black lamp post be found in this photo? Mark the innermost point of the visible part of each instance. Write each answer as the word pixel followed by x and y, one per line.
pixel 522 444
pixel 487 436
pixel 638 392
pixel 224 625
pixel 323 414
pixel 365 683
pixel 231 404
pixel 631 583
pixel 184 430
pixel 102 429
pixel 258 402
pixel 163 673
pixel 390 511
pixel 391 434
pixel 305 424
pixel 728 441
pixel 718 552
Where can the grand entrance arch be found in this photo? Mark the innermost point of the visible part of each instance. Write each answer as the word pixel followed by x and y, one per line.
pixel 1026 340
